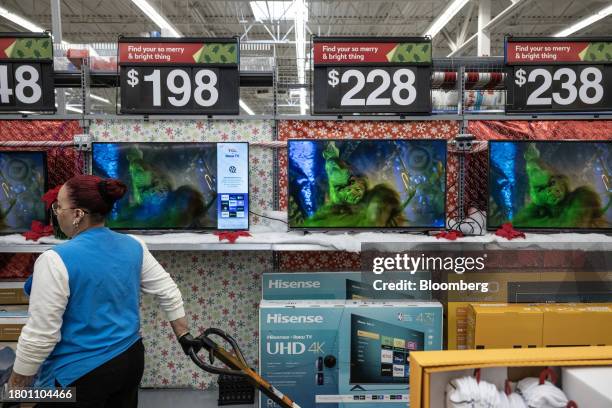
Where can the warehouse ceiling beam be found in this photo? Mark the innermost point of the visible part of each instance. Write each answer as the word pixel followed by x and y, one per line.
pixel 497 20
pixel 484 37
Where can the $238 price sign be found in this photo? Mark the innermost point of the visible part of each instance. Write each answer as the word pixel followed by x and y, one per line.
pixel 372 89
pixel 559 88
pixel 179 90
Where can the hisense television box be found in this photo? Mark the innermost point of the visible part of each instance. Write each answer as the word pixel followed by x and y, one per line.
pixel 338 353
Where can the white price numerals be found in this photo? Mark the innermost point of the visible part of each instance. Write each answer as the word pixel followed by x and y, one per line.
pixel 183 90
pixel 403 80
pixel 26 77
pixel 590 78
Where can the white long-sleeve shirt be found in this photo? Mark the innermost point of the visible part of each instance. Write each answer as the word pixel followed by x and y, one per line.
pixel 49 297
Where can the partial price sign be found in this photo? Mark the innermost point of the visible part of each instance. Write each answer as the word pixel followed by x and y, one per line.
pixel 558 75
pixel 378 75
pixel 26 72
pixel 185 76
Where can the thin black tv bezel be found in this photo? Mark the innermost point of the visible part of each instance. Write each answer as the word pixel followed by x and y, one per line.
pixel 396 383
pixel 170 229
pixel 607 230
pixel 45 186
pixel 363 229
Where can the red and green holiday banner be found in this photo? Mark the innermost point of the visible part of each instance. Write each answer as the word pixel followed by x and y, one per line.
pixel 191 52
pixel 558 51
pixel 37 47
pixel 345 51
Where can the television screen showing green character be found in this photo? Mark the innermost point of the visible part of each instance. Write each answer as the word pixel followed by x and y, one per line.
pixel 352 184
pixel 550 185
pixel 23 178
pixel 170 185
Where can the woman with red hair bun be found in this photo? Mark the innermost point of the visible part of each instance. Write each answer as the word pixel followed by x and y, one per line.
pixel 83 328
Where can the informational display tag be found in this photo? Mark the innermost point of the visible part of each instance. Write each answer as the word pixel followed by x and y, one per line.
pixel 371 75
pixel 558 75
pixel 26 72
pixel 197 76
pixel 233 186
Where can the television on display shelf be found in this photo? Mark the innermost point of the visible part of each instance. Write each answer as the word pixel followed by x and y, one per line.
pixel 380 352
pixel 366 184
pixel 550 185
pixel 23 181
pixel 177 186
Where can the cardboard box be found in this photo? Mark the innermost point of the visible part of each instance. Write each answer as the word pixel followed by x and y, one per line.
pixel 12 320
pixel 577 324
pixel 331 353
pixel 430 371
pixel 494 325
pixel 11 293
pixel 336 285
pixel 588 386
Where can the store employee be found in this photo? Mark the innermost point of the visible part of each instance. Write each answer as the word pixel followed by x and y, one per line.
pixel 83 326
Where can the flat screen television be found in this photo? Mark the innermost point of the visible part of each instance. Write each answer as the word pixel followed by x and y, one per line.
pixel 23 181
pixel 550 185
pixel 380 352
pixel 366 184
pixel 177 186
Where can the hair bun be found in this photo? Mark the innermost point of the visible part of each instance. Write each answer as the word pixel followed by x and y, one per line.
pixel 112 190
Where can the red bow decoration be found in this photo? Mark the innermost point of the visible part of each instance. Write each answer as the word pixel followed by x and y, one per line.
pixel 231 236
pixel 51 196
pixel 450 235
pixel 507 231
pixel 37 231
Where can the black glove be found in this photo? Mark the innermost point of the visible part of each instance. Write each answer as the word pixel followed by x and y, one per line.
pixel 188 342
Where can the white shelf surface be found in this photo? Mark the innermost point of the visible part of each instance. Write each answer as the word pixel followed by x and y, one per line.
pixel 263 239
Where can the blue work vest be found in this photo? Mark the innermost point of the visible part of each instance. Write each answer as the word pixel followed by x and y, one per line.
pixel 102 317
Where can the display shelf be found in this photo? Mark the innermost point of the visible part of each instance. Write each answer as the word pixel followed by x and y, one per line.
pixel 349 242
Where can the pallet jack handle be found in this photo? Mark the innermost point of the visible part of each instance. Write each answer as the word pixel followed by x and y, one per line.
pixel 236 364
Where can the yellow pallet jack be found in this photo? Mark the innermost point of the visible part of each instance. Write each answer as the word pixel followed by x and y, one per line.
pixel 236 364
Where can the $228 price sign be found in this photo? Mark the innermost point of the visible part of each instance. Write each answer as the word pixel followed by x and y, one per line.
pixel 559 88
pixel 372 89
pixel 178 90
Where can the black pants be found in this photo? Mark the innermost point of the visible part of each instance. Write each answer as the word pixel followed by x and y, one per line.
pixel 112 385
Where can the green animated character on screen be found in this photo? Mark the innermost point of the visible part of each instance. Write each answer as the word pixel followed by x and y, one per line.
pixel 154 201
pixel 552 203
pixel 351 202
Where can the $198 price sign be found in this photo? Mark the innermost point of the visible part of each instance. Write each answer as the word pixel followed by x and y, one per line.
pixel 179 90
pixel 372 89
pixel 559 88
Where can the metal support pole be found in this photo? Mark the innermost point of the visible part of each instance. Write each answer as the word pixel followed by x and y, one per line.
pixel 484 36
pixel 56 25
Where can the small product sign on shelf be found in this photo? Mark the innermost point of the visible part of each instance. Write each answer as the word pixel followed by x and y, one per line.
pixel 371 75
pixel 26 72
pixel 558 75
pixel 198 76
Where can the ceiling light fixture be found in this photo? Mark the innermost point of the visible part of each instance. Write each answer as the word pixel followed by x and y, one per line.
pixel 245 107
pixel 585 22
pixel 157 18
pixel 20 21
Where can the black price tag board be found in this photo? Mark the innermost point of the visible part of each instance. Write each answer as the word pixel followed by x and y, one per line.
pixel 26 72
pixel 371 75
pixel 198 76
pixel 558 75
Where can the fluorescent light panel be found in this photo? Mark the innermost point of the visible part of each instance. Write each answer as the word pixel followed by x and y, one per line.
pixel 99 98
pixel 585 22
pixel 20 21
pixel 245 107
pixel 157 18
pixel 446 16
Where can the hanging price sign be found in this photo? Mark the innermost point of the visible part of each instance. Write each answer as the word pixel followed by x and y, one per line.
pixel 558 75
pixel 371 75
pixel 26 72
pixel 185 76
